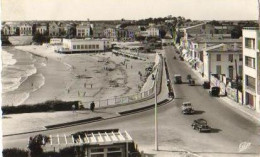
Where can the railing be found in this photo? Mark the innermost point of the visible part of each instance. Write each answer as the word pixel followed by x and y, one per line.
pixel 120 100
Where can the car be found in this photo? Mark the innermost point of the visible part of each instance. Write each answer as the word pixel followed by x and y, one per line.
pixel 187 108
pixel 177 79
pixel 206 85
pixel 214 91
pixel 201 125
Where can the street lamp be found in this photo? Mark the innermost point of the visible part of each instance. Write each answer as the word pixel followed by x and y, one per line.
pixel 155 112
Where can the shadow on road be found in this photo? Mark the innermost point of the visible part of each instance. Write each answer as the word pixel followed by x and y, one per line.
pixel 198 112
pixel 215 130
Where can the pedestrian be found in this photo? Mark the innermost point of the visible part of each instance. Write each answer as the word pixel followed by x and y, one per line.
pixel 92 106
pixel 90 85
pixel 131 67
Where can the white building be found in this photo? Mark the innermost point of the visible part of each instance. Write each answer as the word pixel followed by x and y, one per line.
pixel 42 29
pixel 251 66
pixel 153 31
pixel 81 45
pixel 83 30
pixel 25 29
pixel 220 59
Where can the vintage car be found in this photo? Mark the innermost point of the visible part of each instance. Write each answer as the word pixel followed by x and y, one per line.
pixel 214 91
pixel 201 125
pixel 187 108
pixel 177 79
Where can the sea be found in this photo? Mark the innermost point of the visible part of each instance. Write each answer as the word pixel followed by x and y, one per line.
pixel 19 75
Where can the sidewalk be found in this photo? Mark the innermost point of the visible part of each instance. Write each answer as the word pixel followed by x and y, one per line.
pixel 239 108
pixel 32 122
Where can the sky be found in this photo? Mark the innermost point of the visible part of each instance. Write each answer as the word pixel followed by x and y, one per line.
pixel 12 10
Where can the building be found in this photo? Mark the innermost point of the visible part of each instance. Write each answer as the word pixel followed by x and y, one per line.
pixel 122 34
pixel 42 29
pixel 6 30
pixel 153 31
pixel 54 29
pixel 251 66
pixel 133 31
pixel 222 59
pixel 25 30
pixel 110 33
pixel 96 143
pixel 98 31
pixel 83 30
pixel 82 45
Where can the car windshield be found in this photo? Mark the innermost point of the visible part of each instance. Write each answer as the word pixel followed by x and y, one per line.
pixel 202 121
pixel 186 105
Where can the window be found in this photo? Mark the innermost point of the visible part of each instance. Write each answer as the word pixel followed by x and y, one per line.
pixel 250 43
pixel 74 47
pixel 97 46
pixel 240 70
pixel 78 46
pixel 250 81
pixel 218 69
pixel 230 57
pixel 218 57
pixel 82 46
pixel 240 57
pixel 86 46
pixel 250 62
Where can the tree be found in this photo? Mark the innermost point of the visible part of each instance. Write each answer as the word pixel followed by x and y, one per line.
pixel 35 144
pixel 236 32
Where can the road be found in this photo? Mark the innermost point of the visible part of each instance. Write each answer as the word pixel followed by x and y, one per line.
pixel 230 128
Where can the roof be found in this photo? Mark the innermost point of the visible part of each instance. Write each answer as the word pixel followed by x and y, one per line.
pixel 210 40
pixel 194 26
pixel 90 138
pixel 227 48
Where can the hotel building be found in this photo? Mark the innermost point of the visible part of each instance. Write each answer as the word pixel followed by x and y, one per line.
pixel 251 67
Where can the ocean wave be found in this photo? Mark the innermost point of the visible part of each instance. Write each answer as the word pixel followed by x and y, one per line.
pixel 14 76
pixel 7 58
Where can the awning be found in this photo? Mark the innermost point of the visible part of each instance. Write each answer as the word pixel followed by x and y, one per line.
pixel 90 139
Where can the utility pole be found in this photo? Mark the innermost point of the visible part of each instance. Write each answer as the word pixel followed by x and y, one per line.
pixel 236 80
pixel 155 113
pixel 259 13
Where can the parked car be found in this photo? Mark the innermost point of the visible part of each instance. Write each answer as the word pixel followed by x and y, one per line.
pixel 201 125
pixel 214 91
pixel 206 85
pixel 177 79
pixel 187 108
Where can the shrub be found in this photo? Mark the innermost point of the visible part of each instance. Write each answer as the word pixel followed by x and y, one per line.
pixel 15 152
pixel 47 106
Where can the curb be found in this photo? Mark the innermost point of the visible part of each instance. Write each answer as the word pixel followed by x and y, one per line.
pixel 142 108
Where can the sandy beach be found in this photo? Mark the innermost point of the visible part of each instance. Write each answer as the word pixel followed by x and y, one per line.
pixel 83 77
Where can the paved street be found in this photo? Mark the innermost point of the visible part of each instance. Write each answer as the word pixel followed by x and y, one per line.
pixel 230 128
